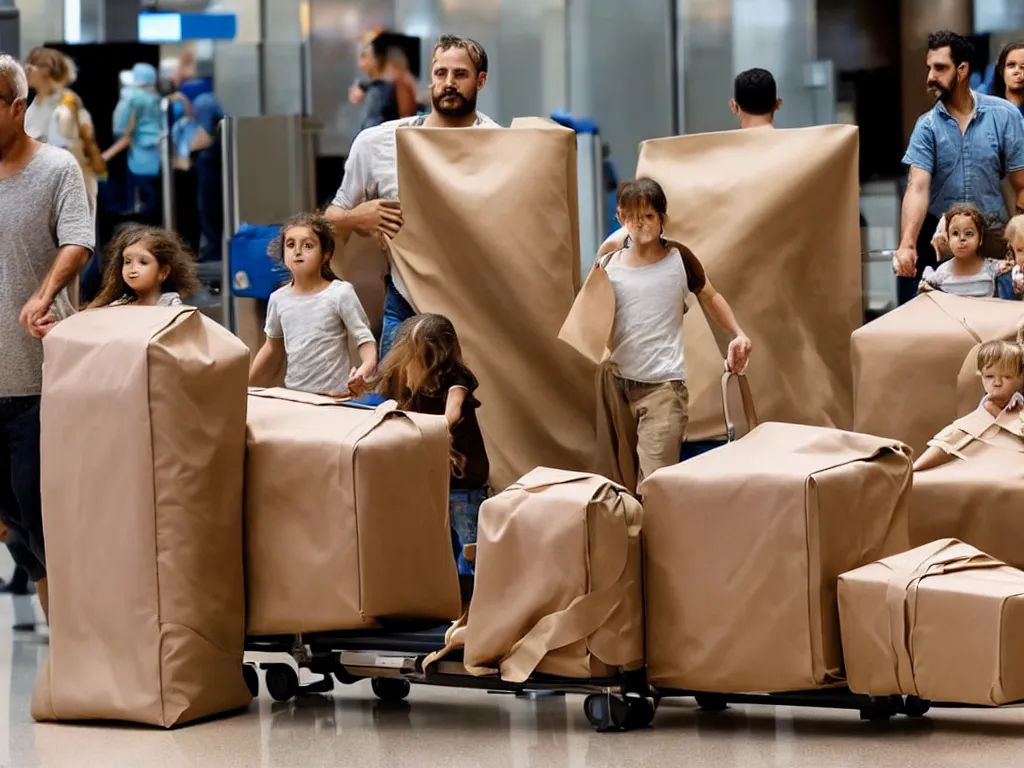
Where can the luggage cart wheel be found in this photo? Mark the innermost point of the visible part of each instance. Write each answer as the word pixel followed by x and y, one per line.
pixel 915 706
pixel 282 682
pixel 252 679
pixel 607 713
pixel 390 688
pixel 712 702
pixel 880 709
pixel 640 714
pixel 345 677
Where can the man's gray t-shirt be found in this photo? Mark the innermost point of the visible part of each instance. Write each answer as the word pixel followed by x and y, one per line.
pixel 43 208
pixel 318 330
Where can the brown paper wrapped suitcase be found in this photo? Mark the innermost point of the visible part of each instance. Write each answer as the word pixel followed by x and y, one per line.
pixel 944 622
pixel 906 364
pixel 346 516
pixel 742 548
pixel 558 580
pixel 494 246
pixel 143 444
pixel 978 497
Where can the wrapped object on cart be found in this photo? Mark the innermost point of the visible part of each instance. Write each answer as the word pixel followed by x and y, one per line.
pixel 143 438
pixel 943 622
pixel 743 546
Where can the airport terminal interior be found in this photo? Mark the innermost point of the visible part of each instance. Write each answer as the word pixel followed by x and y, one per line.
pixel 798 594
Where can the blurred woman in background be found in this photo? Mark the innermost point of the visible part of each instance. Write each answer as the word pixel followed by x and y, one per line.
pixel 1008 80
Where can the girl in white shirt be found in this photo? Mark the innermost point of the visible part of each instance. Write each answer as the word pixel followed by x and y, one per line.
pixel 652 278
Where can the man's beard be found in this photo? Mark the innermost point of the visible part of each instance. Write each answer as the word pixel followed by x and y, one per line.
pixel 460 106
pixel 943 94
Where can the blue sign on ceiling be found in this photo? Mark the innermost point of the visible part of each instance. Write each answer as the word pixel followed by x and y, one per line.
pixel 176 27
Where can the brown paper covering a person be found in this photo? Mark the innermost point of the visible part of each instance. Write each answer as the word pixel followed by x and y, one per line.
pixel 143 434
pixel 906 363
pixel 978 497
pixel 363 262
pixel 346 516
pixel 558 580
pixel 742 548
pixel 798 297
pixel 494 246
pixel 944 622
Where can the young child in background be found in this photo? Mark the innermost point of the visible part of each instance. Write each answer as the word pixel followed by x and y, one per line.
pixel 1000 416
pixel 311 321
pixel 652 279
pixel 968 273
pixel 147 266
pixel 424 372
pixel 1011 285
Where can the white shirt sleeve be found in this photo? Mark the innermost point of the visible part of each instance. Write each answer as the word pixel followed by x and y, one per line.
pixel 273 327
pixel 354 189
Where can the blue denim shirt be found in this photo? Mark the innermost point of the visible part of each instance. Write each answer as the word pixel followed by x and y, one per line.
pixel 968 167
pixel 143 105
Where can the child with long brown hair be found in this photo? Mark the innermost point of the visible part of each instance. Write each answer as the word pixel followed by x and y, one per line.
pixel 424 372
pixel 147 266
pixel 968 273
pixel 312 320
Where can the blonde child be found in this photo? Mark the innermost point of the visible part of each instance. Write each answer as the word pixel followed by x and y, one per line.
pixel 968 273
pixel 1001 367
pixel 1011 286
pixel 652 279
pixel 311 321
pixel 425 373
pixel 147 266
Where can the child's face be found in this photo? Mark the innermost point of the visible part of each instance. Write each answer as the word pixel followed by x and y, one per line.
pixel 141 270
pixel 964 237
pixel 1000 383
pixel 302 253
pixel 644 226
pixel 1018 252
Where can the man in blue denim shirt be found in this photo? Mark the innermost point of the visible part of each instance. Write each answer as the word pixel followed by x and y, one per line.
pixel 960 151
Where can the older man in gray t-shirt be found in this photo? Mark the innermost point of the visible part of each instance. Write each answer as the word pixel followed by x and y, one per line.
pixel 46 237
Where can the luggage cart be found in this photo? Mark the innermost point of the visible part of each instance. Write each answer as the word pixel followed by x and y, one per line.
pixel 393 660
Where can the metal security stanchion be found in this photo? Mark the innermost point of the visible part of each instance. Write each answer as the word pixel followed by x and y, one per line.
pixel 167 168
pixel 229 160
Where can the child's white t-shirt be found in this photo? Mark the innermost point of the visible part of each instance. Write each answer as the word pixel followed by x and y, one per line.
pixel 979 285
pixel 316 330
pixel 647 339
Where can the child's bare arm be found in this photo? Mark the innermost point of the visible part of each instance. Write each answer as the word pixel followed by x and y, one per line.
pixel 718 308
pixel 267 363
pixel 932 458
pixel 358 377
pixel 453 405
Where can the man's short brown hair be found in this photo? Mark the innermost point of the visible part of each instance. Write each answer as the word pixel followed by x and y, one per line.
pixel 473 49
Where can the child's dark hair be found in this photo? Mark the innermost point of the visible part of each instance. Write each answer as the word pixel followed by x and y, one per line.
pixel 425 351
pixel 321 228
pixel 169 251
pixel 970 211
pixel 636 195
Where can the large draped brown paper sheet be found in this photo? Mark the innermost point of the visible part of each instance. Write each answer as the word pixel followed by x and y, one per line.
pixel 346 516
pixel 143 445
pixel 490 240
pixel 743 546
pixel 774 218
pixel 944 622
pixel 910 379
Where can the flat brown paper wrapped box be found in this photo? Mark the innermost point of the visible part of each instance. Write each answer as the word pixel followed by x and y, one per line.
pixel 944 622
pixel 978 497
pixel 742 548
pixel 906 364
pixel 799 296
pixel 491 240
pixel 558 580
pixel 346 516
pixel 143 444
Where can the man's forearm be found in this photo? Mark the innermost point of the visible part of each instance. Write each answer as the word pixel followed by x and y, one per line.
pixel 343 221
pixel 915 208
pixel 70 261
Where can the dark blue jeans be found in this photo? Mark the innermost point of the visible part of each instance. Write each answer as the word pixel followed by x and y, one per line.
pixel 20 497
pixel 396 311
pixel 463 515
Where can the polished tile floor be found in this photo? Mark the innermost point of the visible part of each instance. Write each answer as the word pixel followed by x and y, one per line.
pixel 466 728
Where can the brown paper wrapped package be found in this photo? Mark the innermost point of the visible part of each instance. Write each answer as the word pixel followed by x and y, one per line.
pixel 558 580
pixel 143 444
pixel 742 548
pixel 978 497
pixel 798 297
pixel 906 364
pixel 346 516
pixel 494 245
pixel 944 622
